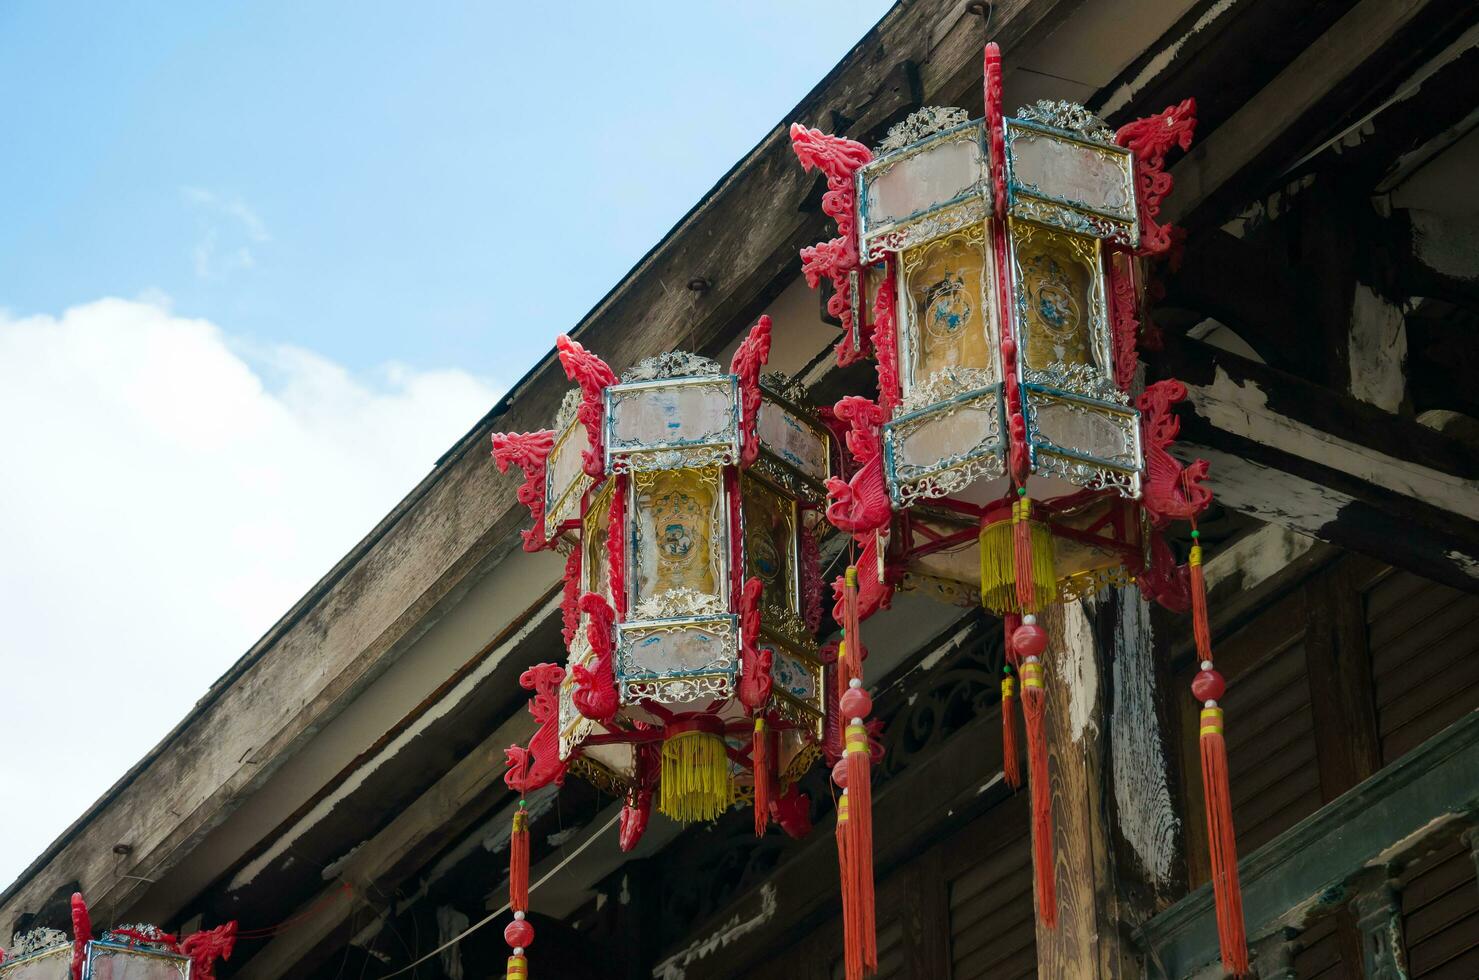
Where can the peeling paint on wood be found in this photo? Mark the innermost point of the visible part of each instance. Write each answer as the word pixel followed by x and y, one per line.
pixel 1378 350
pixel 1147 820
pixel 735 928
pixel 1080 672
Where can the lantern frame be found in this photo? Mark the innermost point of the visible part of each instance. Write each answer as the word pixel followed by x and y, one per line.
pixel 101 949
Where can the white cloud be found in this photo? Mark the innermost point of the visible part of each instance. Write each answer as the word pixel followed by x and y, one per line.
pixel 167 493
pixel 229 228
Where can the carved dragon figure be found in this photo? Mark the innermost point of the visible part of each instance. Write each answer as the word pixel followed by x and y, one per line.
pixel 1150 139
pixel 595 686
pixel 838 159
pixel 755 679
pixel 1172 492
pixel 748 360
pixel 529 451
pixel 539 764
pixel 860 504
pixel 593 376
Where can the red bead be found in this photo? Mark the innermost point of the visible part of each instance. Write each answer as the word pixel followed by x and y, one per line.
pixel 1208 686
pixel 855 703
pixel 519 933
pixel 1030 640
pixel 839 774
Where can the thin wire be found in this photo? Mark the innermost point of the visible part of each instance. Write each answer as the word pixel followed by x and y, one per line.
pixel 506 905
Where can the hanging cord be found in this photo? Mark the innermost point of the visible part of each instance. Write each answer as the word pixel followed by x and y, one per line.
pixel 506 905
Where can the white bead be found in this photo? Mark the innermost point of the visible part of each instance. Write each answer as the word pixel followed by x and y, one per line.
pixel 1029 620
pixel 519 916
pixel 857 721
pixel 518 951
pixel 1210 704
pixel 856 682
pixel 1206 665
pixel 1030 660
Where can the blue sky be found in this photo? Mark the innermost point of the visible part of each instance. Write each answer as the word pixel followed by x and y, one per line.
pixel 434 184
pixel 262 263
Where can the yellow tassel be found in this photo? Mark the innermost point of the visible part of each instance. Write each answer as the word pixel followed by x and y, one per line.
pixel 696 783
pixel 999 564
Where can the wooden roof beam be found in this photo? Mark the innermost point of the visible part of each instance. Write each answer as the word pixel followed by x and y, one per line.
pixel 1294 453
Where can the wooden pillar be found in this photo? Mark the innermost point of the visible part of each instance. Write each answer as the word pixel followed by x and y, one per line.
pixel 1117 837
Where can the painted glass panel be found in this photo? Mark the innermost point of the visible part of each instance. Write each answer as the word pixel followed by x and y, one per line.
pixel 44 966
pixel 770 537
pixel 117 964
pixel 946 283
pixel 565 469
pixel 1082 428
pixel 680 539
pixel 925 444
pixel 1058 299
pixel 676 650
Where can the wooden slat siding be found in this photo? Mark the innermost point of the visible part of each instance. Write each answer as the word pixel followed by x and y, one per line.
pixel 1319 952
pixel 1267 709
pixel 1424 643
pixel 1270 730
pixel 891 964
pixel 1440 916
pixel 991 906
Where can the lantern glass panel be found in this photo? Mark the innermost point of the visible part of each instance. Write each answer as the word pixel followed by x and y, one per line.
pixel 1073 172
pixel 939 173
pixel 794 677
pixel 1085 429
pixel 106 962
pixel 684 649
pixel 947 305
pixel 684 413
pixel 54 964
pixel 565 479
pixel 770 547
pixel 793 441
pixel 680 538
pixel 1060 310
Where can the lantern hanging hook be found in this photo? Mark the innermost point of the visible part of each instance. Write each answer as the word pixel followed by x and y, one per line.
pixel 982 9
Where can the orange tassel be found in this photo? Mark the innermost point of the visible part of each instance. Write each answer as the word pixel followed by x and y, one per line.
pixel 1208 686
pixel 1022 552
pixel 860 841
pixel 760 757
pixel 1226 891
pixel 852 948
pixel 1011 754
pixel 518 861
pixel 1034 712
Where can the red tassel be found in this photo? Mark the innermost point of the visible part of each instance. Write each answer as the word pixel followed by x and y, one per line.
pixel 1208 687
pixel 1034 712
pixel 1011 753
pixel 760 758
pixel 860 841
pixel 518 862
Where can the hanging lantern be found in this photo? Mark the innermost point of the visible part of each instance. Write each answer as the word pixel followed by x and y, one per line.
pixel 993 269
pixel 134 952
pixel 689 506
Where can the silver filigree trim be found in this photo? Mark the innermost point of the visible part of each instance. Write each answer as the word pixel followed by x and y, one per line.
pixel 155 937
pixel 677 690
pixel 1069 116
pixel 943 385
pixel 921 123
pixel 1044 212
pixel 933 225
pixel 38 940
pixel 695 457
pixel 1081 379
pixel 677 603
pixel 1087 475
pixel 949 482
pixel 672 364
pixel 785 387
pixel 568 407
